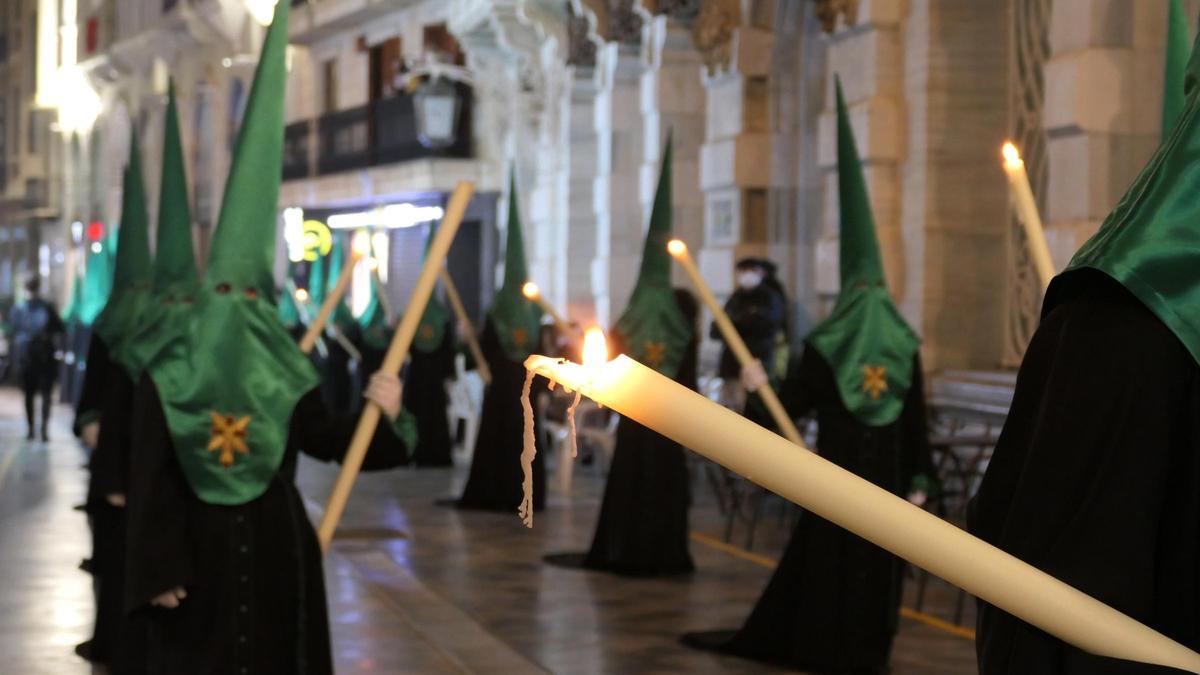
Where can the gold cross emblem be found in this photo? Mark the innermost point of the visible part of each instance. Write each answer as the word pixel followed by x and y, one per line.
pixel 229 436
pixel 520 335
pixel 655 353
pixel 874 381
pixel 426 332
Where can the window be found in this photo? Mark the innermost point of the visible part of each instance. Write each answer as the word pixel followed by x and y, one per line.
pixel 330 82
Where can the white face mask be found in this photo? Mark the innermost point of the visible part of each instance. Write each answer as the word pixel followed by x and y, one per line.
pixel 749 279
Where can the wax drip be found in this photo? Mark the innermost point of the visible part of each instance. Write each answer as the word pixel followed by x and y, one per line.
pixel 527 454
pixel 571 425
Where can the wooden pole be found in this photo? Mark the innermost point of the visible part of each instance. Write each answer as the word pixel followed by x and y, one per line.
pixel 396 353
pixel 302 310
pixel 481 365
pixel 331 302
pixel 679 251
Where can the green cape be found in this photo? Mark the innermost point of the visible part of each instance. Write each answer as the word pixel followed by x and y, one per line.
pixel 231 380
pixel 1177 51
pixel 342 317
pixel 432 329
pixel 175 276
pixel 316 281
pixel 133 274
pixel 516 319
pixel 865 340
pixel 1150 243
pixel 654 329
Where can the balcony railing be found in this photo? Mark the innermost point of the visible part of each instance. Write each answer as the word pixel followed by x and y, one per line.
pixel 382 132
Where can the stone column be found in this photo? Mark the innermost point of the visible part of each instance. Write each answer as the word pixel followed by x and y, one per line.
pixel 672 99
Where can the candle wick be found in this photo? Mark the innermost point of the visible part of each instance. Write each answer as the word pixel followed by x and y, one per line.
pixel 571 427
pixel 528 452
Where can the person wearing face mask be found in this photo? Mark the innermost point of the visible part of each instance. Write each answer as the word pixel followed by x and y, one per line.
pixel 758 309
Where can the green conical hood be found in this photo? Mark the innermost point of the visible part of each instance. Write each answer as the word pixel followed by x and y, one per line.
pixel 289 314
pixel 515 318
pixel 653 328
pixel 97 283
pixel 174 258
pixel 865 340
pixel 342 317
pixel 231 380
pixel 133 273
pixel 1150 243
pixel 432 329
pixel 75 302
pixel 373 322
pixel 175 277
pixel 316 280
pixel 243 247
pixel 1177 51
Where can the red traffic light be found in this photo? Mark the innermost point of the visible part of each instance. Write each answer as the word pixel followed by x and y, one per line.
pixel 95 231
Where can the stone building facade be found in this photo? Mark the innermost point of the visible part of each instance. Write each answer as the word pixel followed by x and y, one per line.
pixel 579 95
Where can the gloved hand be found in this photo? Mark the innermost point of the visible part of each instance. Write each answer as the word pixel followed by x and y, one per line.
pixel 115 499
pixel 170 599
pixel 754 376
pixel 385 390
pixel 918 497
pixel 90 434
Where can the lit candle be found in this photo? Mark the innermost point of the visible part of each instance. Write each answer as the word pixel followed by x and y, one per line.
pixel 1027 213
pixel 877 515
pixel 393 359
pixel 481 365
pixel 531 291
pixel 679 251
pixel 331 302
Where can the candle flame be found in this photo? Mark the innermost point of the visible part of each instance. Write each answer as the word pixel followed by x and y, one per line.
pixel 301 295
pixel 360 243
pixel 595 349
pixel 1012 157
pixel 676 247
pixel 530 290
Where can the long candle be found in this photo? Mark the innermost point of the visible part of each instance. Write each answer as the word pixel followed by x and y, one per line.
pixel 481 365
pixel 301 297
pixel 875 514
pixel 331 302
pixel 679 251
pixel 393 359
pixel 531 291
pixel 1027 213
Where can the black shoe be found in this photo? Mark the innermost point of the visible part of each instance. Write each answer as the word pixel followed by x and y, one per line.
pixel 45 435
pixel 29 436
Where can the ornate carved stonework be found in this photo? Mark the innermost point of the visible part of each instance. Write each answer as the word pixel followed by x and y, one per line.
pixel 624 24
pixel 581 51
pixel 828 12
pixel 712 33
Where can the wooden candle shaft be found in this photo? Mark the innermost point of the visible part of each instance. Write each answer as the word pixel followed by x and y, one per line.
pixel 559 321
pixel 1031 220
pixel 393 359
pixel 331 302
pixel 739 348
pixel 302 311
pixel 381 295
pixel 485 373
pixel 861 507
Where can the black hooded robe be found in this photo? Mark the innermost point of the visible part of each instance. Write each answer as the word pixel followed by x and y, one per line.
pixel 833 603
pixel 256 592
pixel 425 397
pixel 1096 478
pixel 643 525
pixel 108 391
pixel 495 481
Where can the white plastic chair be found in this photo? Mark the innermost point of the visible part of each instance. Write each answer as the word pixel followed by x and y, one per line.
pixel 465 396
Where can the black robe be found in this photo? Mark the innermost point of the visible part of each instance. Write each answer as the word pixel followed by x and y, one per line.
pixel 425 397
pixel 256 593
pixel 833 603
pixel 108 391
pixel 643 525
pixel 1096 477
pixel 495 481
pixel 337 381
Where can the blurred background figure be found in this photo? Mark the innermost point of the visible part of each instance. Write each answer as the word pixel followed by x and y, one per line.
pixel 758 309
pixel 37 332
